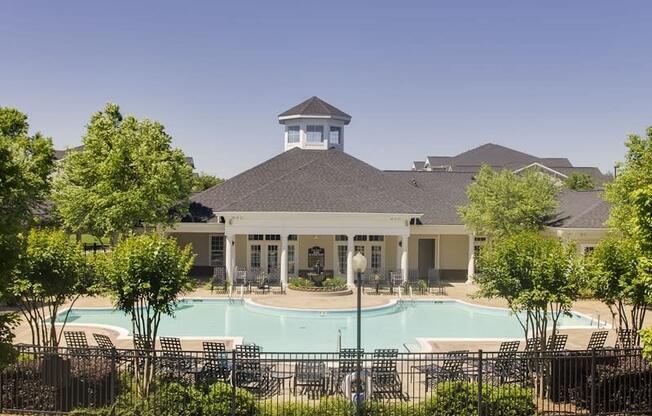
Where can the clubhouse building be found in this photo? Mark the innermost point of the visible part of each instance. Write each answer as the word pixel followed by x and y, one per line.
pixel 314 206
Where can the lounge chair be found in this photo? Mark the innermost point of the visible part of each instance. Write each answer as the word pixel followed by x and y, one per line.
pixel 434 281
pixel 505 365
pixel 385 379
pixel 107 347
pixel 451 368
pixel 251 374
pixel 347 364
pixel 216 363
pixel 626 339
pixel 76 341
pixel 597 340
pixel 310 378
pixel 173 357
pixel 556 342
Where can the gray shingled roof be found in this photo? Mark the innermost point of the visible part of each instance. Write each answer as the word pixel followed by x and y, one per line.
pixel 418 164
pixel 332 181
pixel 315 106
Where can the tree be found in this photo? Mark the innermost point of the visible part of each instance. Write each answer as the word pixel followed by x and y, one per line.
pixel 126 174
pixel 203 181
pixel 52 271
pixel 620 278
pixel 540 278
pixel 145 275
pixel 579 182
pixel 25 164
pixel 503 203
pixel 630 193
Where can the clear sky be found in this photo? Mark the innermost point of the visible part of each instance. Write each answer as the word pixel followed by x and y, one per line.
pixel 552 78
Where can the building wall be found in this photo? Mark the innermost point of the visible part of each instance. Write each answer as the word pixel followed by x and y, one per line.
pixel 454 252
pixel 391 253
pixel 241 251
pixel 199 242
pixel 305 242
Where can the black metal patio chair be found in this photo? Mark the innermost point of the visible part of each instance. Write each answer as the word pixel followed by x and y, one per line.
pixel 556 342
pixel 77 342
pixel 216 363
pixel 434 281
pixel 626 339
pixel 451 368
pixel 346 364
pixel 597 340
pixel 107 347
pixel 251 374
pixel 172 356
pixel 505 365
pixel 386 381
pixel 310 378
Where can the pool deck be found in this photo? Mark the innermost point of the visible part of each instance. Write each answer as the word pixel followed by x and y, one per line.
pixel 577 339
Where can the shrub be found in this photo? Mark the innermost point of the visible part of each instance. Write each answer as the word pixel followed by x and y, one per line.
pixel 335 283
pixel 329 406
pixel 391 409
pixel 217 401
pixel 461 399
pixel 300 282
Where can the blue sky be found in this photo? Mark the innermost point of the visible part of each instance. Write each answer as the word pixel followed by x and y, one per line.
pixel 553 78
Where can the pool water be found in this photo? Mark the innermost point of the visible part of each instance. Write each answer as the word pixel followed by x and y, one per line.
pixel 276 329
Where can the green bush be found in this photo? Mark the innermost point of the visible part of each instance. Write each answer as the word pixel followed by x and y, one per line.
pixel 300 282
pixel 335 283
pixel 329 406
pixel 372 408
pixel 217 401
pixel 461 399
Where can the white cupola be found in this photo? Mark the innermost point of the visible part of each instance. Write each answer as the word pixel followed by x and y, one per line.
pixel 314 124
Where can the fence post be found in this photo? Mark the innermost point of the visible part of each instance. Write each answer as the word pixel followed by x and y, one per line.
pixel 480 382
pixel 593 376
pixel 233 381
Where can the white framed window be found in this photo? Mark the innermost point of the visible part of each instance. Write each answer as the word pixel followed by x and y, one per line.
pixel 254 256
pixel 294 134
pixel 292 268
pixel 376 257
pixel 314 134
pixel 217 250
pixel 334 135
pixel 272 257
pixel 341 259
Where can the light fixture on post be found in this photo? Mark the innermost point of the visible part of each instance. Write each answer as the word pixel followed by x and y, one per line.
pixel 359 266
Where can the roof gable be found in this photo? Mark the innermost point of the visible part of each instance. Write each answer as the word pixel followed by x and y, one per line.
pixel 314 106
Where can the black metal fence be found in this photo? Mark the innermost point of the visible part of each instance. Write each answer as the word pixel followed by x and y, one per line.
pixel 250 382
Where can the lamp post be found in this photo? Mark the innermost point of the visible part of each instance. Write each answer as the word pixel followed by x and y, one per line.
pixel 359 266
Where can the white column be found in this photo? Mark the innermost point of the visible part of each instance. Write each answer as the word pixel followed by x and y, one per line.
pixel 471 266
pixel 350 280
pixel 404 257
pixel 229 251
pixel 284 259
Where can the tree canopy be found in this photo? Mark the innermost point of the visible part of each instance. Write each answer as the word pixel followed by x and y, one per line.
pixel 25 164
pixel 145 274
pixel 52 271
pixel 539 278
pixel 126 174
pixel 203 181
pixel 630 193
pixel 503 203
pixel 579 182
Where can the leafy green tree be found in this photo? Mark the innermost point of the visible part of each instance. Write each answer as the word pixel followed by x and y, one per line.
pixel 52 271
pixel 620 277
pixel 203 181
pixel 126 174
pixel 579 182
pixel 539 277
pixel 8 354
pixel 630 193
pixel 145 275
pixel 503 203
pixel 25 164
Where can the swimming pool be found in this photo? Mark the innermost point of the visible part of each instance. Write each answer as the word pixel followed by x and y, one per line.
pixel 277 329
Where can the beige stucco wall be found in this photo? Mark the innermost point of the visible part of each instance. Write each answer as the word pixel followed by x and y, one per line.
pixel 241 251
pixel 200 245
pixel 391 247
pixel 305 242
pixel 454 252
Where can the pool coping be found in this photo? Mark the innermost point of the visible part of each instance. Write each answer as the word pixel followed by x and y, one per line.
pixel 424 342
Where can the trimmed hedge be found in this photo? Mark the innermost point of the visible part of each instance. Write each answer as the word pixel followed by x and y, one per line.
pixel 461 399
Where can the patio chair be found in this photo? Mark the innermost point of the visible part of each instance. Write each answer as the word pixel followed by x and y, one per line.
pixel 434 281
pixel 173 357
pixel 556 342
pixel 218 282
pixel 251 374
pixel 77 343
pixel 626 339
pixel 241 278
pixel 386 381
pixel 597 340
pixel 532 344
pixel 505 365
pixel 216 363
pixel 310 378
pixel 274 281
pixel 347 363
pixel 107 347
pixel 450 369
